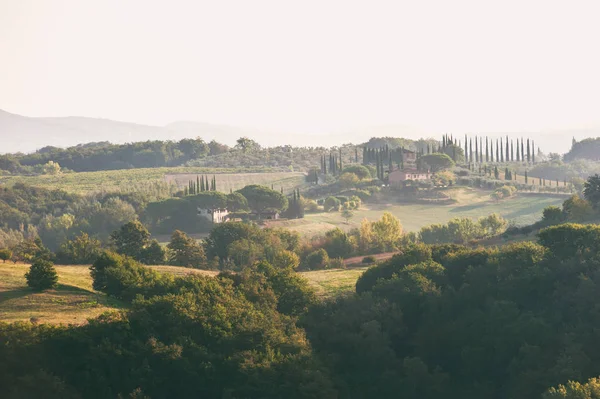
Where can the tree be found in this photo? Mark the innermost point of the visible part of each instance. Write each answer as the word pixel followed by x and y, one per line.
pixel 331 204
pixel 131 239
pixel 347 214
pixel 387 232
pixel 185 251
pixel 591 190
pixel 437 162
pixel 359 170
pixel 82 249
pixel 42 275
pixel 575 390
pixel 348 180
pixel 246 145
pixel 317 260
pixel 261 199
pixel 153 254
pixel 5 254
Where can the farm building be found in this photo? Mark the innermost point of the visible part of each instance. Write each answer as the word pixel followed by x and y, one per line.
pixel 401 175
pixel 214 215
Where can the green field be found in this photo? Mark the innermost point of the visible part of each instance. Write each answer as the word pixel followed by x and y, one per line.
pixel 521 210
pixel 74 301
pixel 128 179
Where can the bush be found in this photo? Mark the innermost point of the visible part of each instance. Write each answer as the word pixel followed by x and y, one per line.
pixel 317 260
pixel 552 215
pixel 367 260
pixel 41 275
pixel 5 254
pixel 311 206
pixel 337 263
pixel 332 204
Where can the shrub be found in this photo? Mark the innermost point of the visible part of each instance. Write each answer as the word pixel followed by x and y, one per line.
pixel 367 260
pixel 285 259
pixel 552 215
pixel 41 275
pixel 311 206
pixel 5 254
pixel 336 263
pixel 317 260
pixel 332 204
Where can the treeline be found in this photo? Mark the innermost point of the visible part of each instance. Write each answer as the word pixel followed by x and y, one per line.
pixel 500 150
pixel 433 321
pixel 106 156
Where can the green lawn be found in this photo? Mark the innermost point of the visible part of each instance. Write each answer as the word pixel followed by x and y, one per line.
pixel 521 210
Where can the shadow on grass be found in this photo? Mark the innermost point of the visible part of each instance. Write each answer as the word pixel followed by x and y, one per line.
pixel 14 294
pixel 467 208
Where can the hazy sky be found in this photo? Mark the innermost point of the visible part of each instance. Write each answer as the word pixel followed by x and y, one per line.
pixel 310 66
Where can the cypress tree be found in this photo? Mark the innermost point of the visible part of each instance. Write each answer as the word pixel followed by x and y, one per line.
pixel 528 152
pixel 364 155
pixel 341 165
pixel 198 182
pixel 497 152
pixel 470 150
pixel 518 154
pixel 355 154
pixel 501 151
pixel 496 172
pixel 476 151
pixel 512 152
pixel 532 151
pixel 526 178
pixel 466 150
pixel 507 157
pixel 522 150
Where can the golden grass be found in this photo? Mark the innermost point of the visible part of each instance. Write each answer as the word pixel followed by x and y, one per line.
pixel 72 302
pixel 332 282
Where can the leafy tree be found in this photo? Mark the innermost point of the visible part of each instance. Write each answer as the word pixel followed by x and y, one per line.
pixel 348 180
pixel 331 204
pixel 153 254
pixel 436 162
pixel 131 239
pixel 576 209
pixel 387 232
pixel 262 199
pixel 246 145
pixel 347 214
pixel 317 260
pixel 224 234
pixel 185 251
pixel 552 215
pixel 285 259
pixel 5 254
pixel 42 275
pixel 575 390
pixel 591 190
pixel 361 171
pixel 82 249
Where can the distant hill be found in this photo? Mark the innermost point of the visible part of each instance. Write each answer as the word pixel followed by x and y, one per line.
pixel 27 134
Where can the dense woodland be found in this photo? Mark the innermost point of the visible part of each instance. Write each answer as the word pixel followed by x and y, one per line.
pixel 433 321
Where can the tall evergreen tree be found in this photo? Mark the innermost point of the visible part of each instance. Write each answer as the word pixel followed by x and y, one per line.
pixel 532 151
pixel 470 150
pixel 518 151
pixel 497 151
pixel 507 150
pixel 467 159
pixel 522 150
pixel 476 151
pixel 512 152
pixel 528 152
pixel 487 150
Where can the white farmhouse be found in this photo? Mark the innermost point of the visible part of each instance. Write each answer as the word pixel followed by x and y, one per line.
pixel 214 215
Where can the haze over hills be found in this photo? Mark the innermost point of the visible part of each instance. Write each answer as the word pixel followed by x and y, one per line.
pixel 27 134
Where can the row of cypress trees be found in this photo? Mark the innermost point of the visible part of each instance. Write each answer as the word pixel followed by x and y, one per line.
pixel 200 185
pixel 502 150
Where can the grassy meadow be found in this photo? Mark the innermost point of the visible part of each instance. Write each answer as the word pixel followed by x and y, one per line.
pixel 74 300
pixel 522 209
pixel 126 179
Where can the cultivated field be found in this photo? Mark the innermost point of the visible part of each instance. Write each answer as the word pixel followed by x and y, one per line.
pixel 520 210
pixel 74 301
pixel 235 181
pixel 128 179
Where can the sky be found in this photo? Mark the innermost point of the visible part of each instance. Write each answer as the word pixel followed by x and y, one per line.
pixel 306 66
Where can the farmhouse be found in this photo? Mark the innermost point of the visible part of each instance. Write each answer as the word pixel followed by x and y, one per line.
pixel 214 215
pixel 401 175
